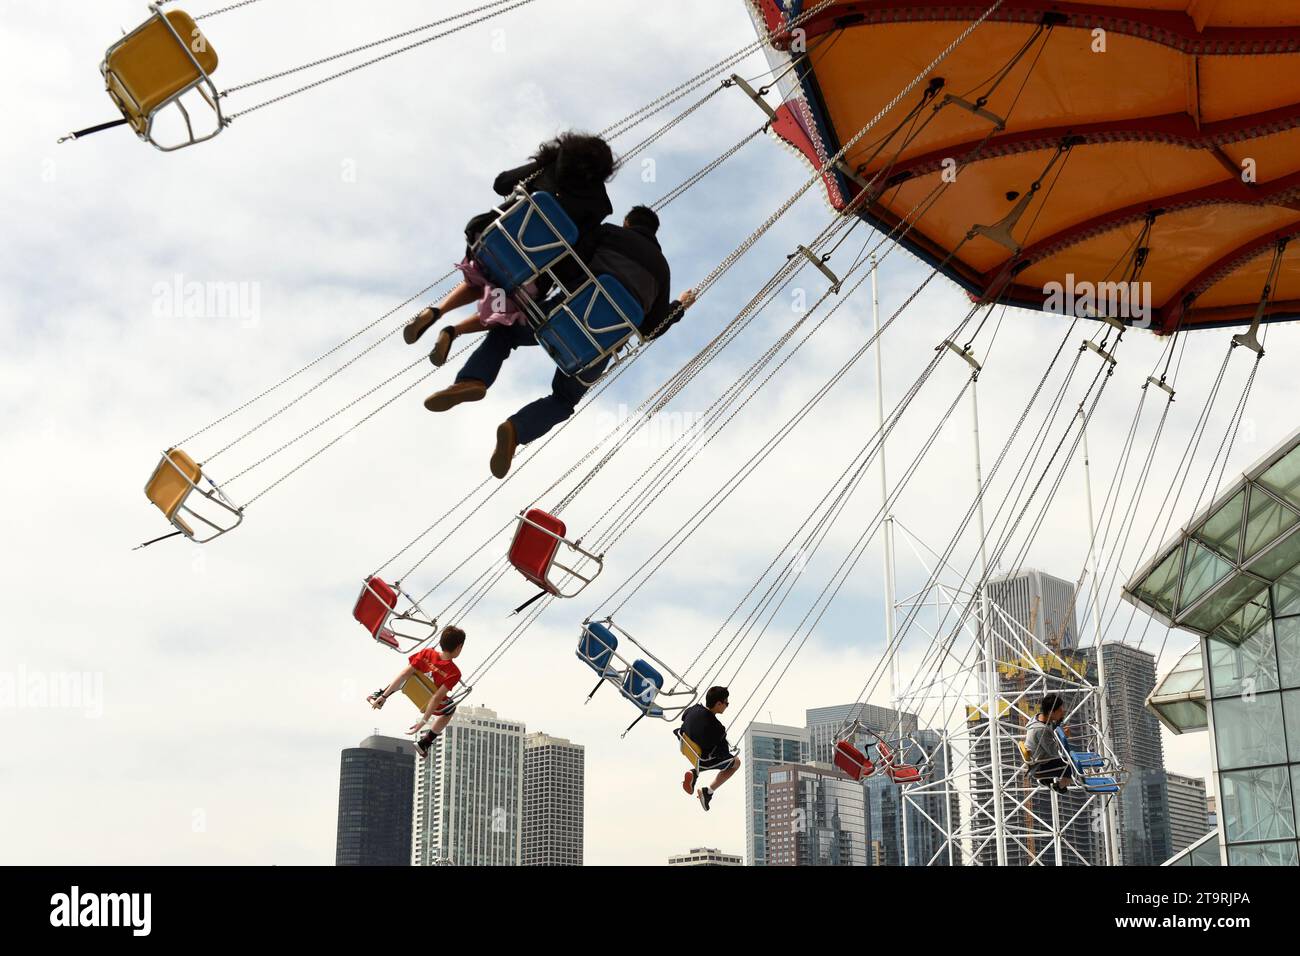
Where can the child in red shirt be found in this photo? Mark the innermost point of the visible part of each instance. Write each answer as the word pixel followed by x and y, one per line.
pixel 440 665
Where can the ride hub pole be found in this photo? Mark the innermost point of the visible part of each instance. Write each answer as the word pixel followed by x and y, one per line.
pixel 888 524
pixel 884 489
pixel 990 650
pixel 1110 843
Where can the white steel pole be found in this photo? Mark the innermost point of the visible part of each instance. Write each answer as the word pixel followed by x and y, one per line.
pixel 888 528
pixel 1109 829
pixel 990 650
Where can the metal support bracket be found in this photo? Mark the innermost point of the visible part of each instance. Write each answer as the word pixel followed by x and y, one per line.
pixel 754 95
pixel 1161 384
pixel 1090 344
pixel 822 267
pixel 976 109
pixel 965 355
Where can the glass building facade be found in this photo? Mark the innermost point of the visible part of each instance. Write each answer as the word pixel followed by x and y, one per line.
pixel 1233 578
pixel 765 746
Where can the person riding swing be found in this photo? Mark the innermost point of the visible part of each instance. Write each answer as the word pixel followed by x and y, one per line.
pixel 439 665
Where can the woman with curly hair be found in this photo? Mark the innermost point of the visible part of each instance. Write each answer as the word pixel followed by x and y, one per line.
pixel 573 167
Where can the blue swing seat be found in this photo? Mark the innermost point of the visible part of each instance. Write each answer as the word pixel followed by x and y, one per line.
pixel 1082 759
pixel 1100 785
pixel 583 332
pixel 640 685
pixel 596 647
pixel 509 264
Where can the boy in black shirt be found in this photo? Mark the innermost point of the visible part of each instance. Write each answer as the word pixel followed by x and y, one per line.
pixel 700 723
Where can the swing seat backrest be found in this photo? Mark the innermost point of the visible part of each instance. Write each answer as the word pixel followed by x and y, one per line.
pixel 420 688
pixel 1082 759
pixel 853 761
pixel 898 772
pixel 596 647
pixel 641 684
pixel 591 326
pixel 376 602
pixel 690 749
pixel 172 481
pixel 150 65
pixel 533 549
pixel 539 245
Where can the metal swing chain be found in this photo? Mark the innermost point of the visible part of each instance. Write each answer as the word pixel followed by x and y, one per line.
pixel 735 255
pixel 365 46
pixel 843 573
pixel 316 361
pixel 900 634
pixel 639 116
pixel 678 191
pixel 497 4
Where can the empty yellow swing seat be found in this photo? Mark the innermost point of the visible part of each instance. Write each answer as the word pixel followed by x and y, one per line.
pixel 169 488
pixel 154 65
pixel 173 480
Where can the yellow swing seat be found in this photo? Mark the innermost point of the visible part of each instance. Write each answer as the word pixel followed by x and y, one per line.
pixel 419 688
pixel 155 65
pixel 175 478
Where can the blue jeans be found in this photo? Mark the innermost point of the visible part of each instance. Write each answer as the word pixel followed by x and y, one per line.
pixel 536 418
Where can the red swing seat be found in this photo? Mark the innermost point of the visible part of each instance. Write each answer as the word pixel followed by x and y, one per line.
pixel 535 554
pixel 534 549
pixel 853 761
pixel 378 600
pixel 898 772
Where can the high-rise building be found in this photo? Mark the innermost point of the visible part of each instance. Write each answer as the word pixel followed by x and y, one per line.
pixel 469 793
pixel 1189 812
pixel 815 817
pixel 764 747
pixel 1142 808
pixel 706 856
pixel 376 783
pixel 1041 604
pixel 553 801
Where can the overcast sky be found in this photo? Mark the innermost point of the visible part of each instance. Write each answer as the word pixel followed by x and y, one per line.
pixel 223 681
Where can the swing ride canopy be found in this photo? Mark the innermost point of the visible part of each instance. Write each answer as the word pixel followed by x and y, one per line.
pixel 1216 575
pixel 1185 110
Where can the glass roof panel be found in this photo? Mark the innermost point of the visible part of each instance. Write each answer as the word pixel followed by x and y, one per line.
pixel 1202 569
pixel 1266 520
pixel 1273 562
pixel 1183 716
pixel 1225 601
pixel 1221 530
pixel 1284 478
pixel 1157 588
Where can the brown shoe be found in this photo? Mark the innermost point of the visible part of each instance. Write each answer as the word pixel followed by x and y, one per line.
pixel 446 335
pixel 419 325
pixel 507 442
pixel 466 391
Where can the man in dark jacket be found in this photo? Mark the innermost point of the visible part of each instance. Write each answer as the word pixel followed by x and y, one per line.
pixel 631 254
pixel 700 723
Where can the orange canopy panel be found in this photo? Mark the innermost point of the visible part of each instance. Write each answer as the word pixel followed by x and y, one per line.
pixel 1174 125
